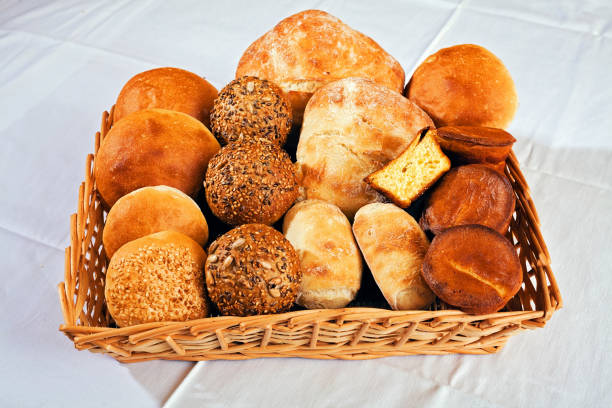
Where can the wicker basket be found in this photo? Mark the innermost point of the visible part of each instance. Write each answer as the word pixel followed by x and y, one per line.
pixel 350 333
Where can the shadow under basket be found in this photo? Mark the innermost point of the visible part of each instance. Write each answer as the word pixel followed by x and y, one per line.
pixel 349 333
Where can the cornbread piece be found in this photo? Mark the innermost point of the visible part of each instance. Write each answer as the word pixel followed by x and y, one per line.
pixel 150 148
pixel 330 260
pixel 167 88
pixel 474 144
pixel 406 177
pixel 156 278
pixel 251 108
pixel 149 210
pixel 472 194
pixel 393 246
pixel 252 270
pixel 474 268
pixel 352 128
pixel 312 48
pixel 464 85
pixel 250 182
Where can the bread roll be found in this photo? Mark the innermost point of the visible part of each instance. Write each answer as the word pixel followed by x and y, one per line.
pixel 464 85
pixel 150 148
pixel 250 182
pixel 167 88
pixel 474 268
pixel 330 260
pixel 156 278
pixel 252 270
pixel 352 128
pixel 312 48
pixel 393 246
pixel 149 210
pixel 475 144
pixel 471 194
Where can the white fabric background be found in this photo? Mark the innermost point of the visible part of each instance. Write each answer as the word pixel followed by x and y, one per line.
pixel 63 63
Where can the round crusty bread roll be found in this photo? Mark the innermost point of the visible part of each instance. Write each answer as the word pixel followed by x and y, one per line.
pixel 149 210
pixel 167 88
pixel 352 128
pixel 330 260
pixel 464 85
pixel 394 246
pixel 157 278
pixel 312 48
pixel 153 147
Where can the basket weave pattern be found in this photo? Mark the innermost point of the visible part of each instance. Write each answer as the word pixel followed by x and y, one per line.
pixel 349 333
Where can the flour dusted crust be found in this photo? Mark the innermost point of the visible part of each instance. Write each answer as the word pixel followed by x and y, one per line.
pixel 312 48
pixel 353 127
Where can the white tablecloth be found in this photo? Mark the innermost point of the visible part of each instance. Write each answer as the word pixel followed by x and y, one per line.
pixel 63 63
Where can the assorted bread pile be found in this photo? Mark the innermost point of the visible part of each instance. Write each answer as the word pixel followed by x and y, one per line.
pixel 183 162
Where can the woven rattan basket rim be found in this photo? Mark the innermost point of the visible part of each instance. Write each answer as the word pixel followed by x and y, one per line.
pixel 348 333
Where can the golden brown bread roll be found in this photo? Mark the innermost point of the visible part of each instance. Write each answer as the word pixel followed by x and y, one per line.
pixel 312 48
pixel 251 108
pixel 330 260
pixel 464 85
pixel 474 268
pixel 352 128
pixel 475 144
pixel 156 278
pixel 252 270
pixel 471 194
pixel 150 148
pixel 149 210
pixel 167 88
pixel 394 246
pixel 250 182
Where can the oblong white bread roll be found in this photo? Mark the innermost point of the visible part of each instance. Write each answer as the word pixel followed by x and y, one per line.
pixel 394 246
pixel 330 260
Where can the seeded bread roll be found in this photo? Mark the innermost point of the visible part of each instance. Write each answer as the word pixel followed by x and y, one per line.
pixel 474 268
pixel 252 270
pixel 149 210
pixel 150 148
pixel 464 85
pixel 251 108
pixel 312 48
pixel 330 261
pixel 250 182
pixel 394 246
pixel 156 278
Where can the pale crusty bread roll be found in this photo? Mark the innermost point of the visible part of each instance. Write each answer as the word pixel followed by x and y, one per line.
pixel 353 127
pixel 394 247
pixel 149 210
pixel 153 147
pixel 167 88
pixel 464 85
pixel 330 260
pixel 312 48
pixel 157 278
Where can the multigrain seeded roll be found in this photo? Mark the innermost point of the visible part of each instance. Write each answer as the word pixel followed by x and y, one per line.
pixel 252 270
pixel 156 278
pixel 250 182
pixel 251 108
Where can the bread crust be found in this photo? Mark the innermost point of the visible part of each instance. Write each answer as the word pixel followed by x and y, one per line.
pixel 471 194
pixel 156 278
pixel 153 147
pixel 353 127
pixel 312 48
pixel 394 246
pixel 167 88
pixel 329 258
pixel 464 85
pixel 475 144
pixel 474 268
pixel 149 210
